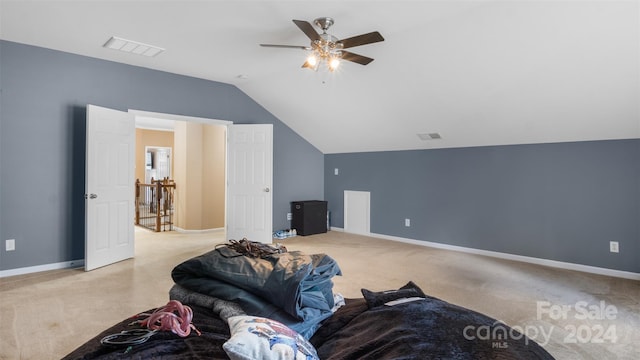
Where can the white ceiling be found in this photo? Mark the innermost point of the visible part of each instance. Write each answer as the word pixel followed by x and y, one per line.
pixel 478 72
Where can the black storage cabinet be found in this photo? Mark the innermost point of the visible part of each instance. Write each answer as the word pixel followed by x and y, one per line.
pixel 309 217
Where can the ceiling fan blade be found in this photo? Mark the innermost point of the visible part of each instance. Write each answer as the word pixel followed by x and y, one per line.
pixel 363 39
pixel 362 60
pixel 308 29
pixel 286 46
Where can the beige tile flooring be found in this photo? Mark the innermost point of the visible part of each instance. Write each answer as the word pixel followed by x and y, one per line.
pixel 46 315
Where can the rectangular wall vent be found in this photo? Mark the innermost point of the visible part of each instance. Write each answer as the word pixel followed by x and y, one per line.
pixel 131 46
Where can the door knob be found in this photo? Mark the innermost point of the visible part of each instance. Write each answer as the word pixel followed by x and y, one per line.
pixel 266 189
pixel 92 196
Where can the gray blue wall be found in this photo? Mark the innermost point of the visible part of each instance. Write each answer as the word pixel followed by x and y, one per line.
pixel 42 142
pixel 561 202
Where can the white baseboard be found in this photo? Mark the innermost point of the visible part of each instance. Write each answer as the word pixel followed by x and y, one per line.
pixel 186 231
pixel 45 267
pixel 506 256
pixel 74 263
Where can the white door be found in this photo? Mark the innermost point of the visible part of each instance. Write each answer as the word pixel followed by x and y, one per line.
pixel 249 179
pixel 109 187
pixel 357 212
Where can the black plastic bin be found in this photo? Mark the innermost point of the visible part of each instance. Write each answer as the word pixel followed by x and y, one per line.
pixel 309 217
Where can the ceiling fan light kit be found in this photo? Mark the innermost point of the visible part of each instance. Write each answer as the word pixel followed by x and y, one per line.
pixel 328 49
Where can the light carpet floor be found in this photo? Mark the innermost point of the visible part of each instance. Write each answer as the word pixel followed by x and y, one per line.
pixel 47 315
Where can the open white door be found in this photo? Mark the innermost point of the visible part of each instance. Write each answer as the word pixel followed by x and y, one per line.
pixel 109 187
pixel 249 179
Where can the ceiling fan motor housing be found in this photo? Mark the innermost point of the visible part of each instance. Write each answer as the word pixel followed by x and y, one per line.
pixel 324 23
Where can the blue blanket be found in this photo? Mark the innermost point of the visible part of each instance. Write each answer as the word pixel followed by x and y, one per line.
pixel 292 287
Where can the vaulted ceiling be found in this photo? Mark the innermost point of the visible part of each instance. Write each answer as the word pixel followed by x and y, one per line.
pixel 477 72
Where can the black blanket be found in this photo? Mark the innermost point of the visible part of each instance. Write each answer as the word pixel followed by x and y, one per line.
pixel 164 344
pixel 424 329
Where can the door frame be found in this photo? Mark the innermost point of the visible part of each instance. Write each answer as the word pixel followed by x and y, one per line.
pixel 170 153
pixel 164 122
pixel 173 117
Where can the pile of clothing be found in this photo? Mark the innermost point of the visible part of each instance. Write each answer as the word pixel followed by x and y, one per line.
pixel 291 287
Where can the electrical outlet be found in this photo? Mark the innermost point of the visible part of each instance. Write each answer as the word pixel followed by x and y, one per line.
pixel 10 245
pixel 614 247
pixel 289 216
pixel 407 222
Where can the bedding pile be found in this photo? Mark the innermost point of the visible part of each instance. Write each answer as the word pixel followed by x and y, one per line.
pixel 280 306
pixel 290 287
pixel 364 328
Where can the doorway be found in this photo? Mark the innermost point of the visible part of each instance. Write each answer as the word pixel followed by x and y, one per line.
pixel 104 247
pixel 191 154
pixel 157 164
pixel 245 181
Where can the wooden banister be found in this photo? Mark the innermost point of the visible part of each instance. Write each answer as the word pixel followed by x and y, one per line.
pixel 154 204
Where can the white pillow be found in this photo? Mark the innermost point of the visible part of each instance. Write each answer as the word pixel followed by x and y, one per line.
pixel 258 338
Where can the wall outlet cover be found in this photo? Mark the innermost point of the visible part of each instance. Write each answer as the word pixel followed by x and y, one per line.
pixel 614 246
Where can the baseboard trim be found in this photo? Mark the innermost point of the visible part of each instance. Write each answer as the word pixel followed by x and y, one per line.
pixel 527 259
pixel 186 231
pixel 40 268
pixel 75 263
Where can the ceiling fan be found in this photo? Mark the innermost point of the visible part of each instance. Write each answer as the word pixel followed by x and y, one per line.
pixel 328 48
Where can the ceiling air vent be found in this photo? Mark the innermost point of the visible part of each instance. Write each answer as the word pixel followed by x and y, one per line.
pixel 430 136
pixel 131 46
